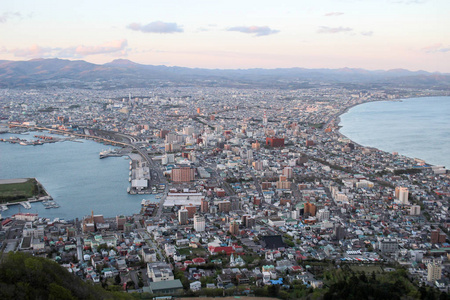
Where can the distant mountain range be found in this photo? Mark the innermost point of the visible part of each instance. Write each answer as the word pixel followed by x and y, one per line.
pixel 122 73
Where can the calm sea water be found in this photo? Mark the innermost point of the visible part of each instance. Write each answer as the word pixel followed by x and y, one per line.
pixel 74 175
pixel 416 127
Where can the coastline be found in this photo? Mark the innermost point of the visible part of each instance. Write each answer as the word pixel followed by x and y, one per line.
pixel 337 120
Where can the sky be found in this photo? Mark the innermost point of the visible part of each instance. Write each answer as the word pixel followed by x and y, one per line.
pixel 368 34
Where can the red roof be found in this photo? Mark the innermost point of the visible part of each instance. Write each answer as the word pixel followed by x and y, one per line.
pixel 228 250
pixel 199 260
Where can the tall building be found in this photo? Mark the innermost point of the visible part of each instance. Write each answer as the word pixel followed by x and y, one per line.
pixel 182 174
pixel 257 165
pixel 323 214
pixel 339 232
pixel 438 237
pixel 401 193
pixel 434 271
pixel 414 210
pixel 204 207
pixel 224 206
pixel 274 142
pixel 191 210
pixel 287 171
pixel 234 228
pixel 199 223
pixel 183 216
pixel 309 209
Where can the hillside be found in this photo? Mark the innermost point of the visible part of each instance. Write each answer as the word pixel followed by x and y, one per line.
pixel 43 73
pixel 23 276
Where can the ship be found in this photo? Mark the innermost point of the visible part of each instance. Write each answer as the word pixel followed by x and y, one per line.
pixel 105 153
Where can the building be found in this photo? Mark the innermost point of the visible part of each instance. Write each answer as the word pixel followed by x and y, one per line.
pixel 120 220
pixel 183 216
pixel 387 245
pixel 287 171
pixel 414 210
pixel 192 210
pixel 159 271
pixel 234 228
pixel 204 208
pixel 199 223
pixel 274 142
pixel 438 237
pixel 434 271
pixel 171 287
pixel 309 209
pixel 401 193
pixel 323 214
pixel 182 174
pixel 224 206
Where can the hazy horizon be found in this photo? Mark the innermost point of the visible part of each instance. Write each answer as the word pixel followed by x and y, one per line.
pixel 371 35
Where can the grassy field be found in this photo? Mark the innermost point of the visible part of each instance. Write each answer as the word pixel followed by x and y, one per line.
pixel 15 192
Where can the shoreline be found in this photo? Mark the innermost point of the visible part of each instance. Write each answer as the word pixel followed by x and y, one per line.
pixel 337 120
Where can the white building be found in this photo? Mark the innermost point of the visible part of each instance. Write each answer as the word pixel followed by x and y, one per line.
pixel 434 271
pixel 199 223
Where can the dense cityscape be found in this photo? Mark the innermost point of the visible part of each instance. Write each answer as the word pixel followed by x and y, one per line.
pixel 258 192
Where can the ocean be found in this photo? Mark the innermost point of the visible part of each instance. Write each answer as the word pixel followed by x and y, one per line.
pixel 414 127
pixel 74 175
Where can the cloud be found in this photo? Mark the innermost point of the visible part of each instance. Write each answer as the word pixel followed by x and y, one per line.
pixel 409 1
pixel 118 46
pixel 256 30
pixel 32 51
pixel 156 27
pixel 35 51
pixel 436 48
pixel 325 29
pixel 367 33
pixel 334 14
pixel 8 15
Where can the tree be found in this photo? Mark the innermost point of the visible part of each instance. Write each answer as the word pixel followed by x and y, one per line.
pixel 117 279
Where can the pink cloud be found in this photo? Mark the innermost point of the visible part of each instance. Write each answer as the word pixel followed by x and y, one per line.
pixel 325 29
pixel 334 14
pixel 256 30
pixel 436 48
pixel 118 47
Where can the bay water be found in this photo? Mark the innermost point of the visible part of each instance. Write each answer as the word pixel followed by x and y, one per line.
pixel 414 127
pixel 73 174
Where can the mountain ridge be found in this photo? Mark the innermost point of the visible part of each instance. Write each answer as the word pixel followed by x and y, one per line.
pixel 43 71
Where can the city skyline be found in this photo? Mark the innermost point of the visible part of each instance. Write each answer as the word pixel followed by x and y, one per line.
pixel 372 35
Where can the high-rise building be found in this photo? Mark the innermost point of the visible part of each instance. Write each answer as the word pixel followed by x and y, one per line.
pixel 414 210
pixel 309 209
pixel 274 142
pixel 224 206
pixel 287 171
pixel 403 195
pixel 182 174
pixel 438 237
pixel 199 223
pixel 234 228
pixel 257 165
pixel 204 207
pixel 434 271
pixel 323 214
pixel 191 211
pixel 183 216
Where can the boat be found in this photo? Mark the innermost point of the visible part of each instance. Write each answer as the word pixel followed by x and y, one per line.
pixel 105 153
pixel 4 207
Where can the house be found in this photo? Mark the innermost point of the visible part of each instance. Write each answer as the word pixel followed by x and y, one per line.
pixel 195 286
pixel 148 255
pixel 199 261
